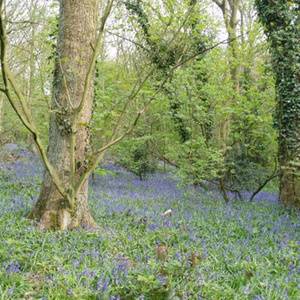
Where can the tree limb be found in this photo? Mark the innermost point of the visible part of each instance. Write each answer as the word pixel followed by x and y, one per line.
pixel 274 174
pixel 24 114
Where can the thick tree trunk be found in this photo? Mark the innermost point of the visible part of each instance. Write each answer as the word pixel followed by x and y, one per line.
pixel 281 24
pixel 76 37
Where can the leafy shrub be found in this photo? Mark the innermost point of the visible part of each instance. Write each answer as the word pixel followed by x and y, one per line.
pixel 137 158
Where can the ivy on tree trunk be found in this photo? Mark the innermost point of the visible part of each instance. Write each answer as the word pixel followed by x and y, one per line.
pixel 281 22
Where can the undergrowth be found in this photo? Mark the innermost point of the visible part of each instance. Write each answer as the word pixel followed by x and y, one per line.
pixel 213 250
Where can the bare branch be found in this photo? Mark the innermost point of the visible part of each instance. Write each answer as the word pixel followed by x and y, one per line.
pixel 274 174
pixel 220 3
pixel 23 22
pixel 162 156
pixel 129 40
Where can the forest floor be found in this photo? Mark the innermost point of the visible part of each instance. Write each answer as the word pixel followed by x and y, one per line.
pixel 205 249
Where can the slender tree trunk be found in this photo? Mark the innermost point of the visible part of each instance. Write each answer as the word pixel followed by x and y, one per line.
pixel 76 37
pixel 30 87
pixel 232 34
pixel 229 10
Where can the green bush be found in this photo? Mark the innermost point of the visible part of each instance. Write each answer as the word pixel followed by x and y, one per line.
pixel 137 158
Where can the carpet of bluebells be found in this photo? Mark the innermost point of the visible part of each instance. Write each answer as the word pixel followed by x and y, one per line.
pixel 212 250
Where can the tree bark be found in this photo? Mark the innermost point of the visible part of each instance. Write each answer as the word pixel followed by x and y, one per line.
pixel 1 116
pixel 69 128
pixel 289 186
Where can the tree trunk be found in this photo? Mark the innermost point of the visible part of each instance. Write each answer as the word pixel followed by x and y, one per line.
pixel 229 10
pixel 281 24
pixel 76 38
pixel 289 185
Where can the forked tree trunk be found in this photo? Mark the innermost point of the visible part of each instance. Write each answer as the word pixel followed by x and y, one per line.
pixel 76 37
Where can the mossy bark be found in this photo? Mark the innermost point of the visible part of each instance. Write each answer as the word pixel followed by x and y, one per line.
pixel 76 37
pixel 289 186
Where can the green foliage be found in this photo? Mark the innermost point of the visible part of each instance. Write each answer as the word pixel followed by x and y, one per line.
pixel 197 161
pixel 31 45
pixel 200 122
pixel 159 49
pixel 246 168
pixel 202 142
pixel 103 172
pixel 136 157
pixel 135 7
